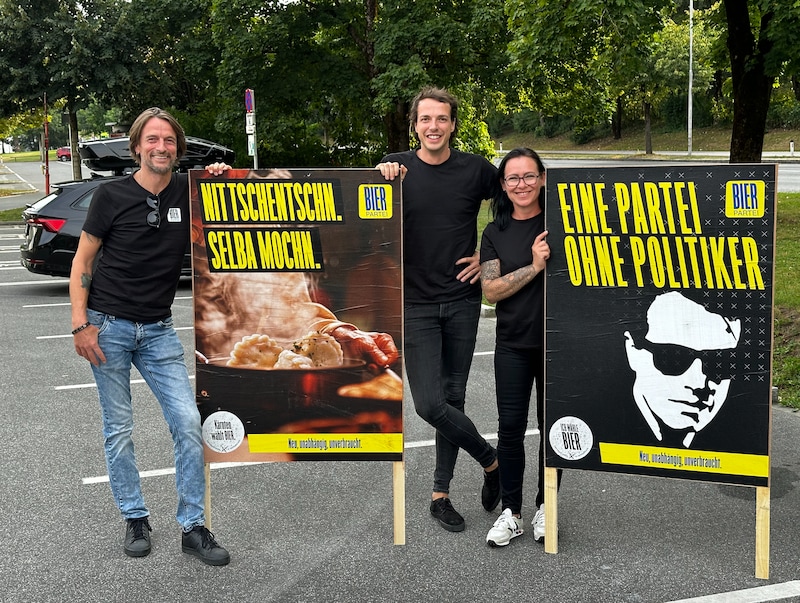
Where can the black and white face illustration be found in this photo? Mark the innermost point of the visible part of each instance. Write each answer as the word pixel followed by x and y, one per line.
pixel 682 365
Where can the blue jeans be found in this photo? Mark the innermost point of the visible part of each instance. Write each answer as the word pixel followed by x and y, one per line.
pixel 515 372
pixel 154 349
pixel 439 342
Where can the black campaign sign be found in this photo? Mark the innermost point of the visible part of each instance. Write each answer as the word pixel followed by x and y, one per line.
pixel 659 320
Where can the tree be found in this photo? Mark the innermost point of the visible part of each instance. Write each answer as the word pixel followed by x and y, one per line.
pixel 173 62
pixel 582 57
pixel 665 66
pixel 67 50
pixel 459 45
pixel 333 78
pixel 566 53
pixel 762 42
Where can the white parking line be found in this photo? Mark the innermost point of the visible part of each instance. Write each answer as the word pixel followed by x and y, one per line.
pixel 28 283
pixel 62 388
pixel 759 594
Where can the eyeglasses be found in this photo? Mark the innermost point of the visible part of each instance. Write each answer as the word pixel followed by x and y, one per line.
pixel 154 217
pixel 529 179
pixel 674 360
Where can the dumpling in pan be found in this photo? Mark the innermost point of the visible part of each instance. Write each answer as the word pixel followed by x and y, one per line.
pixel 255 351
pixel 321 348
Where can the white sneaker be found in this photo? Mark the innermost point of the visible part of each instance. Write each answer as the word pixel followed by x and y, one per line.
pixel 538 524
pixel 504 529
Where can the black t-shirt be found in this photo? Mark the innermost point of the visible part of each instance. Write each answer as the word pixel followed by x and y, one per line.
pixel 520 317
pixel 440 213
pixel 138 271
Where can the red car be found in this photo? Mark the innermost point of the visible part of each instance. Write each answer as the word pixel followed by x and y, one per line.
pixel 64 153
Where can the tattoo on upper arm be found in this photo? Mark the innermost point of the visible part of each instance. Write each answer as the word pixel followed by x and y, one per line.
pixel 86 280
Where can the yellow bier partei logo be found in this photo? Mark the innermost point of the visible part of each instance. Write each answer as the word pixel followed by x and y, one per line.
pixel 744 198
pixel 375 201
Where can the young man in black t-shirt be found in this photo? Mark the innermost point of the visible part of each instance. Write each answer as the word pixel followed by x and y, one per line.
pixel 442 193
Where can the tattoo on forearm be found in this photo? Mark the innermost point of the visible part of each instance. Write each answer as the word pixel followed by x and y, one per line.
pixel 508 283
pixel 519 278
pixel 86 280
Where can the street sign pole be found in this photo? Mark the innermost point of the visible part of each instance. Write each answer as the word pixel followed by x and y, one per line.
pixel 250 125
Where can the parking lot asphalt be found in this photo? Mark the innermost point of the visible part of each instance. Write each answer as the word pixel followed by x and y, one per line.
pixel 314 531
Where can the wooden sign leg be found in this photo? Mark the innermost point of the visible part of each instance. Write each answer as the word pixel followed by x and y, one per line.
pixel 551 510
pixel 208 496
pixel 399 489
pixel 762 533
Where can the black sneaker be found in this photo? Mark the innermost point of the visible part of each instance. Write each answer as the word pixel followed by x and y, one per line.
pixel 200 543
pixel 490 493
pixel 137 537
pixel 442 509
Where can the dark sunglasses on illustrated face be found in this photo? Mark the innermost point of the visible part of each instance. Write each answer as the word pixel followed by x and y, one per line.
pixel 154 217
pixel 675 360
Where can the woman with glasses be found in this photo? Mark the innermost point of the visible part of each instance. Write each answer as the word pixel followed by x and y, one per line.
pixel 514 252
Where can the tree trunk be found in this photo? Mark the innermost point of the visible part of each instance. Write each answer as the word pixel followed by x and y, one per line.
pixel 752 88
pixel 397 128
pixel 616 120
pixel 648 138
pixel 395 123
pixel 73 145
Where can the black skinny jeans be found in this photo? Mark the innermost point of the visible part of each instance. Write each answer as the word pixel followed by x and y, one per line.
pixel 515 371
pixel 439 344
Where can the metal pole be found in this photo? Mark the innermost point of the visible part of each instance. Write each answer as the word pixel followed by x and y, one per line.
pixel 691 73
pixel 46 150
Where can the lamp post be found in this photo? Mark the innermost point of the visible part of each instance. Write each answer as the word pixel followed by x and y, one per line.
pixel 691 73
pixel 46 166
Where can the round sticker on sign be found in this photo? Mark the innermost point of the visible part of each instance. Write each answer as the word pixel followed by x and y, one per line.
pixel 571 438
pixel 223 431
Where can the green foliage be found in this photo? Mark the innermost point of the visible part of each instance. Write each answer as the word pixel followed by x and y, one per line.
pixel 431 42
pixel 93 119
pixel 675 113
pixel 578 59
pixel 333 78
pixel 578 54
pixel 786 357
pixel 67 49
pixel 784 109
pixel 19 123
pixel 555 125
pixel 583 134
pixel 473 134
pixel 526 120
pixel 11 215
pixel 310 77
pixel 762 40
pixel 498 122
pixel 670 57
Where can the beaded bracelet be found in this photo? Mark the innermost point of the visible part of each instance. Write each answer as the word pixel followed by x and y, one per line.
pixel 81 328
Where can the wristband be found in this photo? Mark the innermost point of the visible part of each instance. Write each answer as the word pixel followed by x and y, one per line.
pixel 81 328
